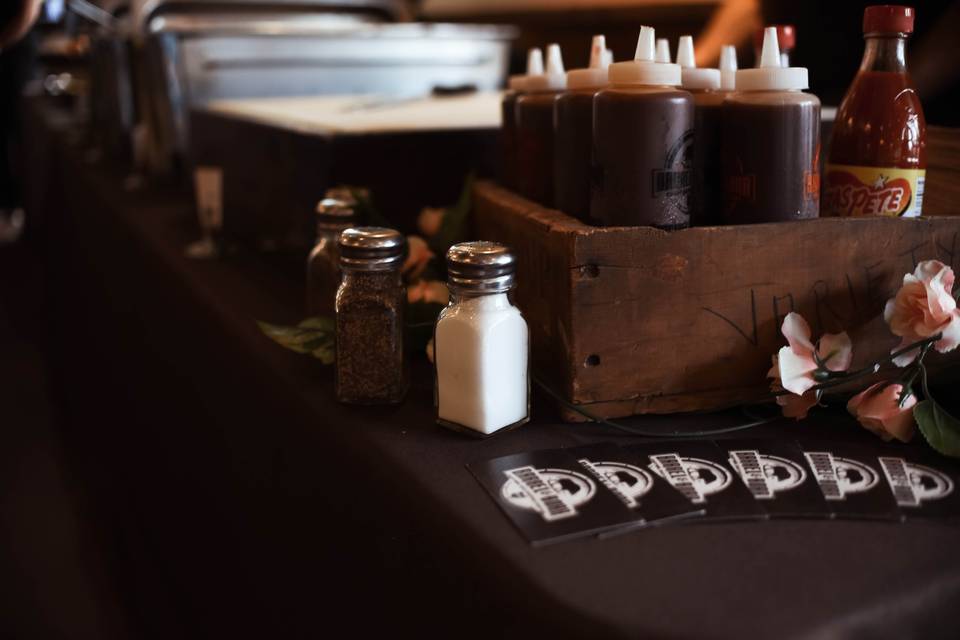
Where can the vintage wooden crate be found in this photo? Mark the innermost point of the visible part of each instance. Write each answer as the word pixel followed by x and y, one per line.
pixel 637 320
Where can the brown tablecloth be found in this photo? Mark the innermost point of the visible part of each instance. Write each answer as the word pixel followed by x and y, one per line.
pixel 258 505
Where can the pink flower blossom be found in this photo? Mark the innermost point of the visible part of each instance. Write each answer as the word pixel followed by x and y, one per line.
pixel 418 256
pixel 795 364
pixel 429 220
pixel 428 291
pixel 878 409
pixel 923 307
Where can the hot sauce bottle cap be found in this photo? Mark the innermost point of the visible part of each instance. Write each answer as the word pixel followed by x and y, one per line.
pixel 554 79
pixel 534 67
pixel 595 76
pixel 692 77
pixel 728 67
pixel 770 76
pixel 888 18
pixel 643 70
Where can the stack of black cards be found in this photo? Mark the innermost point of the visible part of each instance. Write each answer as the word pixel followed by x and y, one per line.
pixel 606 489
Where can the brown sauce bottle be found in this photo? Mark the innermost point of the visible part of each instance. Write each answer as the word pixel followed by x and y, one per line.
pixel 770 144
pixel 706 195
pixel 508 119
pixel 573 134
pixel 642 137
pixel 534 114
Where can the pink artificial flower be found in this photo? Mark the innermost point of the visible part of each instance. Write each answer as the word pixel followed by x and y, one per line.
pixel 429 220
pixel 795 365
pixel 878 409
pixel 428 291
pixel 923 307
pixel 418 256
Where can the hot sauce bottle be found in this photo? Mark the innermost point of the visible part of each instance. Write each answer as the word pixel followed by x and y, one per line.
pixel 704 86
pixel 878 155
pixel 508 118
pixel 770 143
pixel 535 129
pixel 573 133
pixel 642 139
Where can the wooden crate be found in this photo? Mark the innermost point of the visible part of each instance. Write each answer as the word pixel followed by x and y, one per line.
pixel 637 320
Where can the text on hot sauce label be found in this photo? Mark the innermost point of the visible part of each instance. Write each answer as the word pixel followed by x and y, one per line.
pixel 872 191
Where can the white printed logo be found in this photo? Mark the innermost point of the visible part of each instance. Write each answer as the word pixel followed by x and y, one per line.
pixel 839 477
pixel 766 476
pixel 553 493
pixel 694 478
pixel 913 484
pixel 627 482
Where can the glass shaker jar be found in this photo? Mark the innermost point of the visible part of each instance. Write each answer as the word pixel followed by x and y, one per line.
pixel 481 343
pixel 371 367
pixel 334 215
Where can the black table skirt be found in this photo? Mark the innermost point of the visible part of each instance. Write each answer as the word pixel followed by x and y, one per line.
pixel 235 484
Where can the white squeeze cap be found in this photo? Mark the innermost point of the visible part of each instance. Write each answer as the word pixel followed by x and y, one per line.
pixel 663 51
pixel 694 78
pixel 728 67
pixel 642 70
pixel 554 79
pixel 534 67
pixel 608 57
pixel 595 76
pixel 770 76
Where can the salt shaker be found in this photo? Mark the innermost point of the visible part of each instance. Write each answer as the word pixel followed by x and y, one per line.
pixel 371 368
pixel 481 343
pixel 334 215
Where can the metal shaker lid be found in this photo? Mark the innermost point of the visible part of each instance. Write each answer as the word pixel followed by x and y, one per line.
pixel 371 248
pixel 482 267
pixel 335 211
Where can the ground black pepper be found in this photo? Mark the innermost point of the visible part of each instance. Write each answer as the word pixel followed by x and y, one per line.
pixel 371 368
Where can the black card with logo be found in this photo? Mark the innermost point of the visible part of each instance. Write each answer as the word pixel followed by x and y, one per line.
pixel 625 475
pixel 698 469
pixel 851 480
pixel 550 496
pixel 777 475
pixel 924 483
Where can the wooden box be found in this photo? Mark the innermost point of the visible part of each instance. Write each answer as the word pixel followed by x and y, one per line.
pixel 636 320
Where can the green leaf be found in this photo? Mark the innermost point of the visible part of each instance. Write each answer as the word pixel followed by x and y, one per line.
pixel 313 336
pixel 939 428
pixel 453 228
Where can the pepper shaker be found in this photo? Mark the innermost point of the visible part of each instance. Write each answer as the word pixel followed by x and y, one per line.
pixel 371 367
pixel 334 215
pixel 481 343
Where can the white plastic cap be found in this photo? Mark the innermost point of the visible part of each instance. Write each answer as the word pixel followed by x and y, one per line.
pixel 554 79
pixel 770 76
pixel 596 74
pixel 728 67
pixel 694 78
pixel 608 57
pixel 642 70
pixel 663 50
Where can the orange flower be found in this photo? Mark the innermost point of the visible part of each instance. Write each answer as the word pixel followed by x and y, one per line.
pixel 878 408
pixel 429 220
pixel 923 307
pixel 428 291
pixel 418 256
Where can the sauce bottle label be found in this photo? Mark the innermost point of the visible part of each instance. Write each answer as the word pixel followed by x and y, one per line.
pixel 872 191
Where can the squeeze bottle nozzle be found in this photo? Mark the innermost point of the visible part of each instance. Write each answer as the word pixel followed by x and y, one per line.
pixel 608 57
pixel 643 70
pixel 694 78
pixel 534 65
pixel 770 56
pixel 728 67
pixel 770 76
pixel 554 78
pixel 595 76
pixel 663 50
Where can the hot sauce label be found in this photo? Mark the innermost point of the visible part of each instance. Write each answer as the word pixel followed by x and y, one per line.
pixel 872 191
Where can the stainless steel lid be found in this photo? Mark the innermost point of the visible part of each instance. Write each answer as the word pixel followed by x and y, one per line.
pixel 481 267
pixel 372 249
pixel 335 211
